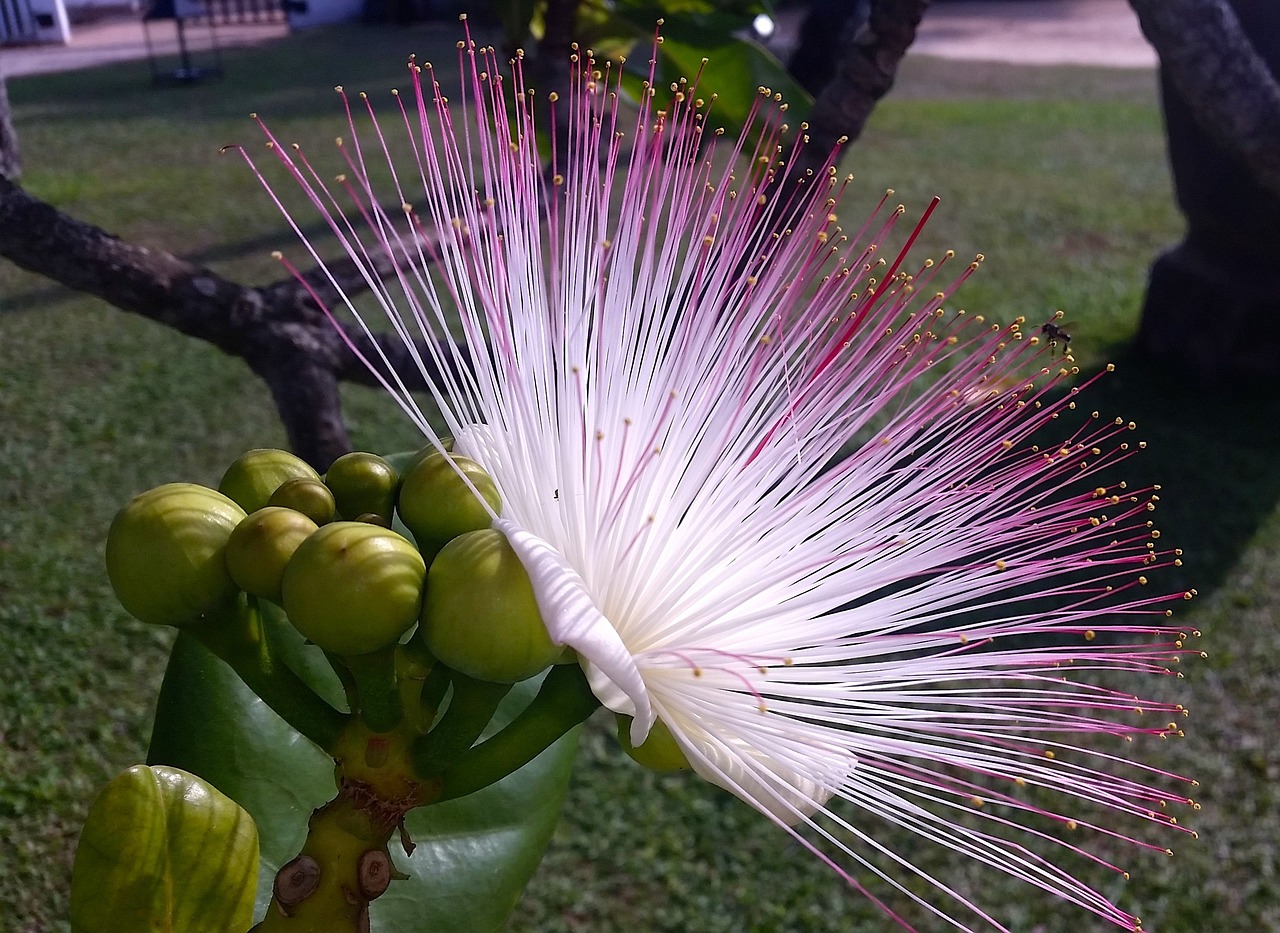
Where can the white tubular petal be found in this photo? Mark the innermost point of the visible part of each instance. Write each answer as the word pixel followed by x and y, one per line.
pixel 475 441
pixel 782 792
pixel 572 619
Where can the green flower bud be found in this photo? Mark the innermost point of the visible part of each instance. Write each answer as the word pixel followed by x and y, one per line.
pixel 659 751
pixel 353 588
pixel 309 496
pixel 436 505
pixel 406 460
pixel 362 482
pixel 162 849
pixel 262 545
pixel 255 475
pixel 165 553
pixel 480 615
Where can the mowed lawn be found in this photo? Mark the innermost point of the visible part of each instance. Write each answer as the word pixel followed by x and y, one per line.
pixel 1057 175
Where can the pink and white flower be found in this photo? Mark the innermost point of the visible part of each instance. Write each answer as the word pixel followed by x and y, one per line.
pixel 772 488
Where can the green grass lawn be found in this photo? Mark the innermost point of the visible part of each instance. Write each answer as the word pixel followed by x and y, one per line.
pixel 1057 175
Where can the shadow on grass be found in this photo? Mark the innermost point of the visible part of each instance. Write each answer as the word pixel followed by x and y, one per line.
pixel 1215 454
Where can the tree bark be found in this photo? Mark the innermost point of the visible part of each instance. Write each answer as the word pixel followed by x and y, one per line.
pixel 10 160
pixel 864 74
pixel 278 329
pixel 1206 54
pixel 823 33
pixel 1211 296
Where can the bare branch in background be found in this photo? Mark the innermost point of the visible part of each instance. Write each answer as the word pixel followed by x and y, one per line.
pixel 277 330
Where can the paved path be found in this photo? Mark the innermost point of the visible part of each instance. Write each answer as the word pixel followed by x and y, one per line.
pixel 1032 32
pixel 1036 32
pixel 122 40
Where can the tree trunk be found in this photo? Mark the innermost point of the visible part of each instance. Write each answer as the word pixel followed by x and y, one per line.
pixel 10 162
pixel 863 73
pixel 1211 297
pixel 825 30
pixel 1219 58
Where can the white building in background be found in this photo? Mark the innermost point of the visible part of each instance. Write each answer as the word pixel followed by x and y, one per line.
pixel 23 21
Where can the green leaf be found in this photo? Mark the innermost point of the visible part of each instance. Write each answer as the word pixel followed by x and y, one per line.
pixel 474 855
pixel 164 851
pixel 695 30
pixel 734 70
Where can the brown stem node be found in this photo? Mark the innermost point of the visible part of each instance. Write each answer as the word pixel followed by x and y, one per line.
pixel 296 882
pixel 373 873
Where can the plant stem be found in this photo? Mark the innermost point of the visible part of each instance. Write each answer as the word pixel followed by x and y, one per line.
pixel 239 638
pixel 324 890
pixel 564 701
pixel 469 711
pixel 377 689
pixel 345 864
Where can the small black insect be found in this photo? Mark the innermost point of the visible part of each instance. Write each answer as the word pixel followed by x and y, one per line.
pixel 1054 332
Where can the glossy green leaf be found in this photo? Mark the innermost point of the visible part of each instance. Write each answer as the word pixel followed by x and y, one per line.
pixel 694 30
pixel 734 70
pixel 164 851
pixel 473 856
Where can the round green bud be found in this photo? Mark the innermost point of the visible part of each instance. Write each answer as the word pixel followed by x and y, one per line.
pixel 256 474
pixel 262 545
pixel 406 460
pixel 162 849
pixel 353 588
pixel 659 752
pixel 362 482
pixel 309 496
pixel 166 553
pixel 480 616
pixel 436 504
